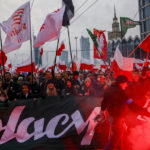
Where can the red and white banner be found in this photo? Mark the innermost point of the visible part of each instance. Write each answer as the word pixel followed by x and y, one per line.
pixel 122 65
pixel 50 29
pixel 101 51
pixel 17 28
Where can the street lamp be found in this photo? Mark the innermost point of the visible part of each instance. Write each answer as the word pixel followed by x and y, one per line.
pixel 76 46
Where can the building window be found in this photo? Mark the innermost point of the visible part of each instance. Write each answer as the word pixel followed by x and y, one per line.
pixel 148 25
pixel 147 2
pixel 143 27
pixel 142 2
pixel 147 11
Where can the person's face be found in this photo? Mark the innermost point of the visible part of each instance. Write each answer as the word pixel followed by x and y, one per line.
pixel 25 89
pixel 81 77
pixel 0 84
pixel 66 76
pixel 48 76
pixel 101 79
pixel 69 84
pixel 88 83
pixel 50 85
pixel 124 85
pixel 75 77
pixel 58 76
pixel 7 76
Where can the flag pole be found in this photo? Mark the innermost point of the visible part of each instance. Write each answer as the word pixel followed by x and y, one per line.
pixel 31 44
pixel 133 51
pixel 70 47
pixel 3 77
pixel 56 52
pixel 146 59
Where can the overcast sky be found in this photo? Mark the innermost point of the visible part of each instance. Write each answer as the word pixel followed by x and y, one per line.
pixel 98 16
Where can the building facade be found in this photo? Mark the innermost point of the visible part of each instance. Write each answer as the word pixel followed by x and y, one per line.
pixel 64 57
pixel 115 33
pixel 144 13
pixel 85 47
pixel 37 57
pixel 126 46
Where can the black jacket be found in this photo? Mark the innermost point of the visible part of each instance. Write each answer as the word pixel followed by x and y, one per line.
pixel 115 101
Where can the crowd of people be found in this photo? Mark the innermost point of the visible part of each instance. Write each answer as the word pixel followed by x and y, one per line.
pixel 16 87
pixel 117 92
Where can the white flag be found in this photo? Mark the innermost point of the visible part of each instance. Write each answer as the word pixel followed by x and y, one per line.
pixel 17 28
pixel 51 27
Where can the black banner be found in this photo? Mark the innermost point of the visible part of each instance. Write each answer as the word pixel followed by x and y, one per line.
pixel 51 124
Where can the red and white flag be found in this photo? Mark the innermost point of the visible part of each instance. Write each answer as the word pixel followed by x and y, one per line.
pixel 100 52
pixel 122 65
pixel 17 28
pixel 87 64
pixel 51 27
pixel 62 66
pixel 145 44
pixel 25 66
pixel 62 47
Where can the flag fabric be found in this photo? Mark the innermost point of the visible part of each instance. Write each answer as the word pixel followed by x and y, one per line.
pixel 3 58
pixel 145 44
pixel 100 52
pixel 26 68
pixel 62 47
pixel 51 124
pixel 51 27
pixel 9 66
pixel 86 64
pixel 127 23
pixel 41 52
pixel 69 12
pixel 62 66
pixel 17 28
pixel 122 65
pixel 100 44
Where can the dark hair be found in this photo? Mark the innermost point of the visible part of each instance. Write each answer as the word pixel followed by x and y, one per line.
pixel 121 79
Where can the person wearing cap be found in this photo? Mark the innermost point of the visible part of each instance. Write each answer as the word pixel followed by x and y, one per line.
pixel 116 102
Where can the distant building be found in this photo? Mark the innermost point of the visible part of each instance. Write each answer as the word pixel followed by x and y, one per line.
pixel 37 57
pixel 144 13
pixel 85 47
pixel 64 57
pixel 128 46
pixel 116 33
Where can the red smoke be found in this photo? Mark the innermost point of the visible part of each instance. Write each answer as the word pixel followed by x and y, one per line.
pixel 139 136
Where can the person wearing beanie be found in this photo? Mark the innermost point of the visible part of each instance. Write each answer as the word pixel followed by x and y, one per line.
pixel 116 102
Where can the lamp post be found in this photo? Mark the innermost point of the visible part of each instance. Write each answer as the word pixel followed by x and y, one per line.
pixel 76 46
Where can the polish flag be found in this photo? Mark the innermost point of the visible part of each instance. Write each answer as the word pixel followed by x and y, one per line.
pixel 17 28
pixel 3 58
pixel 50 29
pixel 26 66
pixel 62 66
pixel 86 64
pixel 62 47
pixel 122 65
pixel 145 44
